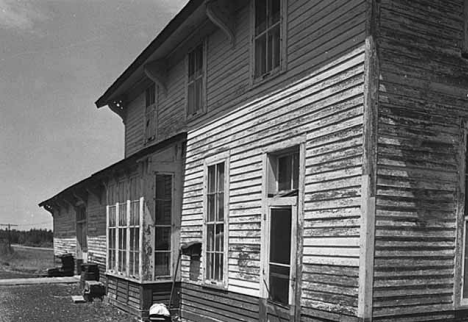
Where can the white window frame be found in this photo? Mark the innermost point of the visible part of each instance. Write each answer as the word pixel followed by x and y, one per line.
pixel 114 270
pixel 221 158
pixel 463 213
pixel 203 108
pixel 283 44
pixel 171 225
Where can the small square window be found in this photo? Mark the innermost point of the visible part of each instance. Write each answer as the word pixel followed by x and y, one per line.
pixel 284 173
pixel 150 95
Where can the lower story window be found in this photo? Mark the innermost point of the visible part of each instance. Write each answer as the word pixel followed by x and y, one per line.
pixel 215 222
pixel 123 233
pixel 163 225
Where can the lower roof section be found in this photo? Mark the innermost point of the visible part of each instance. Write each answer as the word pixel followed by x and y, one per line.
pixel 97 178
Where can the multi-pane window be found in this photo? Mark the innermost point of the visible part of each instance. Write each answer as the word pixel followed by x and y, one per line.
pixel 112 235
pixel 195 86
pixel 150 113
pixel 123 228
pixel 134 229
pixel 267 37
pixel 215 224
pixel 284 173
pixel 122 237
pixel 163 225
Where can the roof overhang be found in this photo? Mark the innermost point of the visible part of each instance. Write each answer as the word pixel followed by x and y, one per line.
pixel 75 194
pixel 174 35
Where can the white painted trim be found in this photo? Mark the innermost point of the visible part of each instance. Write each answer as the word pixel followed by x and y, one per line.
pixel 117 233
pixel 219 158
pixel 461 221
pixel 127 264
pixel 107 238
pixel 140 254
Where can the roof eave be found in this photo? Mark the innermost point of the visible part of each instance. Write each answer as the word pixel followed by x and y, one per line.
pixel 150 50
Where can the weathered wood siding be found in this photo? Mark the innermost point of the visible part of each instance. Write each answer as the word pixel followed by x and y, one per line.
pixel 318 98
pixel 422 100
pixel 135 125
pixel 170 112
pixel 137 298
pixel 64 231
pixel 96 221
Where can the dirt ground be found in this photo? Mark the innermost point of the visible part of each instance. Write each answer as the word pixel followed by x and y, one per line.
pixel 40 303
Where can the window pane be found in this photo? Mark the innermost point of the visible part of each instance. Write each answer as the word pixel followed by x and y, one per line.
pixel 212 178
pixel 220 202
pixel 295 171
pixel 163 212
pixel 123 214
pixel 198 95
pixel 199 60
pixel 274 48
pixel 284 173
pixel 218 267
pixel 211 207
pixel 162 264
pixel 219 243
pixel 274 7
pixel 210 237
pixel 279 284
pixel 280 236
pixel 163 186
pixel 209 266
pixel 191 65
pixel 112 216
pixel 260 56
pixel 220 177
pixel 163 238
pixel 260 16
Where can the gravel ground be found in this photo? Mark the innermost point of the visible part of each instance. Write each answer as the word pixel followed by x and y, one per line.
pixel 44 303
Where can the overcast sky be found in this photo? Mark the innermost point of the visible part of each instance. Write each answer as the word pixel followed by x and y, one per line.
pixel 56 58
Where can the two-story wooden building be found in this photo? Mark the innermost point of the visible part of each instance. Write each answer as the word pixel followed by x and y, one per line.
pixel 315 149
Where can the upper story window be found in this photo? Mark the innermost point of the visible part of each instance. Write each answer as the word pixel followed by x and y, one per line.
pixel 195 81
pixel 150 113
pixel 268 39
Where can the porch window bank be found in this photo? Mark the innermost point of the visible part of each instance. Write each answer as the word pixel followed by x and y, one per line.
pixel 124 217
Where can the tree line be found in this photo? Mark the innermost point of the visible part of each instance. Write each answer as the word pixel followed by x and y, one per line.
pixel 32 237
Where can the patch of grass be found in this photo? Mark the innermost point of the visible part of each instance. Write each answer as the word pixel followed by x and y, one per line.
pixel 26 259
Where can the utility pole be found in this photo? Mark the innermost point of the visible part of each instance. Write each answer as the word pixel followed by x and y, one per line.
pixel 9 233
